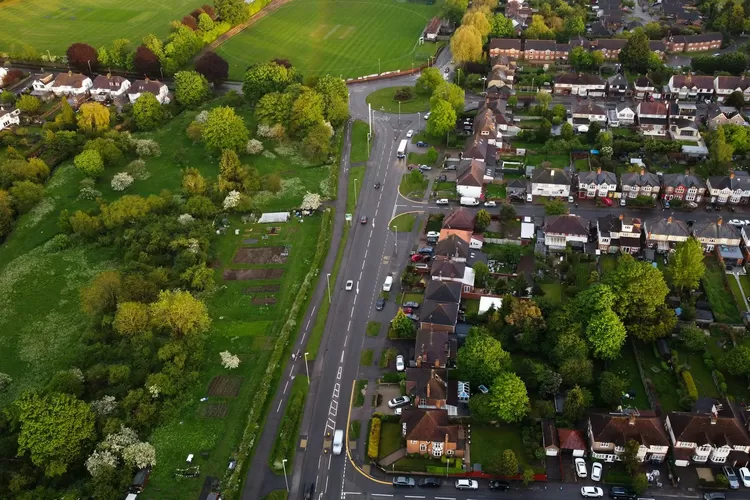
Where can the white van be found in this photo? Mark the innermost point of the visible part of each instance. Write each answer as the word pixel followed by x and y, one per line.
pixel 468 201
pixel 338 442
pixel 388 283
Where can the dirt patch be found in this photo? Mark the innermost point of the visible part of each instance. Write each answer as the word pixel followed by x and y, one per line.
pixel 223 386
pixel 253 274
pixel 215 410
pixel 262 255
pixel 264 301
pixel 263 289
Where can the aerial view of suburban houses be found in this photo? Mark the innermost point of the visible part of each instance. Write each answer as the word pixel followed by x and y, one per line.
pixel 306 249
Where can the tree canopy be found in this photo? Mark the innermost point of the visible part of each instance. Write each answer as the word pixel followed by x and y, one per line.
pixel 509 400
pixel 686 266
pixel 482 358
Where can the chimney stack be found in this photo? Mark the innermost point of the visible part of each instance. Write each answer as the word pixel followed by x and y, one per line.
pixel 714 416
pixel 631 419
pixel 622 216
pixel 731 174
pixel 718 222
pixel 643 171
pixel 669 220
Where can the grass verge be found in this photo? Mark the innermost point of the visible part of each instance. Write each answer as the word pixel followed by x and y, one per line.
pixel 360 150
pixel 404 223
pixel 383 100
pixel 373 328
pixel 359 393
pixel 365 358
pixel 356 174
pixel 387 356
pixel 285 445
pixel 390 438
pixel 354 430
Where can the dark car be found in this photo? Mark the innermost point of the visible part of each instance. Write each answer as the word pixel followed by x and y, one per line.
pixel 714 496
pixel 621 493
pixel 429 482
pixel 422 144
pixel 310 492
pixel 380 304
pixel 499 485
pixel 426 250
pixel 413 305
pixel 442 178
pixel 363 219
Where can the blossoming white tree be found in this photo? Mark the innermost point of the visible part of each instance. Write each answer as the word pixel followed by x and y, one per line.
pixel 121 181
pixel 147 147
pixel 311 201
pixel 202 117
pixel 104 406
pixel 140 455
pixel 232 200
pixel 185 219
pixel 99 460
pixel 254 147
pixel 229 360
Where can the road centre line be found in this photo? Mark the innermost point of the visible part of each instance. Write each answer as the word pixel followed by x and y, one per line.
pixel 319 459
pixel 445 498
pixel 278 407
pixel 412 496
pixel 349 325
pixel 342 357
pixel 330 457
pixel 351 314
pixel 285 386
pixel 381 495
pixel 326 485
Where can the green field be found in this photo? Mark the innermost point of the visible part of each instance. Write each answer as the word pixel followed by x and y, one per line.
pixel 53 24
pixel 338 38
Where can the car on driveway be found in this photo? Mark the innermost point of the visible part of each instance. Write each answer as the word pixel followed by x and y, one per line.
pixel 442 201
pixel 596 471
pixel 349 285
pixel 442 178
pixel 467 484
pixel 745 476
pixel 410 133
pixel 363 220
pixel 499 485
pixel 422 144
pixel 429 482
pixel 399 401
pixel 380 304
pixel 734 481
pixel 400 363
pixel 581 467
pixel 433 234
pixel 592 492
pixel 413 317
pixel 450 167
pixel 427 116
pixel 571 199
pixel 404 482
pixel 413 305
pixel 425 168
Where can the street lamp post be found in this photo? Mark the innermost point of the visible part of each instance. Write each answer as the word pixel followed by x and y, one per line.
pixel 328 280
pixel 484 83
pixel 395 240
pixel 307 370
pixel 355 192
pixel 399 113
pixel 283 464
pixel 419 120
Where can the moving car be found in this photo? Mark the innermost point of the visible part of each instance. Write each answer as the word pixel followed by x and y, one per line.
pixel 581 467
pixel 442 201
pixel 734 482
pixel 422 144
pixel 410 133
pixel 429 482
pixel 388 284
pixel 620 492
pixel 380 304
pixel 399 401
pixel 571 199
pixel 363 220
pixel 413 305
pixel 349 285
pixel 338 442
pixel 310 492
pixel 596 471
pixel 400 363
pixel 467 484
pixel 745 476
pixel 592 492
pixel 499 485
pixel 490 204
pixel 404 482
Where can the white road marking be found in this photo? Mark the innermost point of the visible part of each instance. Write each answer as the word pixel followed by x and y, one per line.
pixel 278 407
pixel 308 323
pixel 373 219
pixel 285 386
pixel 360 277
pixel 338 374
pixel 348 327
pixel 366 249
pixel 330 458
pixel 313 311
pixel 303 336
pixel 383 495
pixel 319 459
pixel 342 357
pixel 351 315
pixel 326 485
pixel 445 498
pixel 290 371
pixel 412 496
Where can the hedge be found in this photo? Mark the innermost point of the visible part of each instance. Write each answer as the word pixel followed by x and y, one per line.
pixel 373 444
pixel 692 390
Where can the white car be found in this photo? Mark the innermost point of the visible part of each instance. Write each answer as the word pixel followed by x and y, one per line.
pixel 596 471
pixel 581 467
pixel 467 484
pixel 409 133
pixel 745 476
pixel 433 234
pixel 427 116
pixel 592 492
pixel 349 285
pixel 571 199
pixel 388 284
pixel 399 401
pixel 338 441
pixel 400 363
pixel 442 201
pixel 490 204
pixel 736 222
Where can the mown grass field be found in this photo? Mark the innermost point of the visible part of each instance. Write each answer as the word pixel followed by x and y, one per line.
pixel 54 24
pixel 334 37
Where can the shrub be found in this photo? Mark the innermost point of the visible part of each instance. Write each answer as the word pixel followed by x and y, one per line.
pixel 373 443
pixel 708 360
pixel 692 390
pixel 121 181
pixel 403 94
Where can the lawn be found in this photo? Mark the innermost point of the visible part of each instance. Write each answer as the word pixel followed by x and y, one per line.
pixel 365 357
pixel 553 291
pixel 737 292
pixel 373 328
pixel 722 302
pixel 627 367
pixel 404 223
pixel 390 438
pixel 360 150
pixel 53 24
pixel 664 381
pixel 471 306
pixel 335 37
pixel 412 186
pixel 557 161
pixel 581 164
pixel 420 159
pixel 488 442
pixel 495 191
pixel 383 100
pixel 443 189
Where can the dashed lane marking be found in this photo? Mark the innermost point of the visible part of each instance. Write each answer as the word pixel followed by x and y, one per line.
pixel 278 407
pixel 285 387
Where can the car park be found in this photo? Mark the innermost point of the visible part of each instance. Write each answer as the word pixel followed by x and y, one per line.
pixel 380 304
pixel 338 441
pixel 592 492
pixel 429 482
pixel 399 401
pixel 744 474
pixel 410 133
pixel 363 220
pixel 581 467
pixel 404 482
pixel 413 305
pixel 400 363
pixel 349 285
pixel 596 471
pixel 499 485
pixel 490 204
pixel 388 283
pixel 467 484
pixel 422 144
pixel 734 481
pixel 442 201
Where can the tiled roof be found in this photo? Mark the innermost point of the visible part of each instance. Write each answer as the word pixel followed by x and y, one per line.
pixel 685 179
pixel 566 224
pixel 461 218
pixel 453 246
pixel 471 174
pixel 446 268
pixel 598 177
pixel 639 179
pixel 141 86
pixel 69 79
pixel 433 346
pixel 418 380
pixel 505 43
pixel 587 107
pixel 715 230
pixel 108 82
pixel 579 79
pixel 443 291
pixel 646 430
pixel 550 176
pixel 667 227
pixel 652 108
pixel 428 425
pixel 439 313
pixel 731 181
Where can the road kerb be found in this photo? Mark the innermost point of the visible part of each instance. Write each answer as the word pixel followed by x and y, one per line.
pixel 348 452
pixel 403 213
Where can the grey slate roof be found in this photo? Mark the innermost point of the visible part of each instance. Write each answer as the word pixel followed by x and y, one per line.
pixel 550 176
pixel 566 224
pixel 667 227
pixel 715 230
pixel 685 179
pixel 598 177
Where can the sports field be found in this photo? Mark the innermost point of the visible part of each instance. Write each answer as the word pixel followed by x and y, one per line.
pixel 54 24
pixel 335 37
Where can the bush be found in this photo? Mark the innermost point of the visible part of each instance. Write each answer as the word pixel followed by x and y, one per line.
pixel 403 94
pixel 373 443
pixel 708 360
pixel 690 387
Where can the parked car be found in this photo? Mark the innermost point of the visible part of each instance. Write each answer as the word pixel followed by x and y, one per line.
pixel 413 317
pixel 620 492
pixel 571 199
pixel 425 168
pixel 529 198
pixel 499 485
pixel 714 496
pixel 409 133
pixel 349 285
pixel 442 201
pixel 581 467
pixel 622 202
pixel 433 234
pixel 404 482
pixel 442 178
pixel 467 484
pixel 734 481
pixel 426 250
pixel 400 363
pixel 413 305
pixel 399 401
pixel 736 222
pixel 450 167
pixel 745 476
pixel 417 257
pixel 422 144
pixel 380 304
pixel 490 204
pixel 429 482
pixel 596 471
pixel 592 492
pixel 338 441
pixel 427 116
pixel 388 284
pixel 607 201
pixel 421 265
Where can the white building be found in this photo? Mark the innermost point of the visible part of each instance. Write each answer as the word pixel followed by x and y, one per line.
pixel 155 87
pixel 8 118
pixel 550 182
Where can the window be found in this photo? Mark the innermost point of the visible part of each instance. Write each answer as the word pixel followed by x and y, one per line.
pixel 423 447
pixel 449 453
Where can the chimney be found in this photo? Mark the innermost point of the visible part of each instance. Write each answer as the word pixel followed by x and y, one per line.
pixel 109 75
pixel 669 220
pixel 428 390
pixel 552 172
pixel 643 171
pixel 714 416
pixel 718 222
pixel 631 419
pixel 70 73
pixel 599 170
pixel 419 361
pixel 731 174
pixel 622 216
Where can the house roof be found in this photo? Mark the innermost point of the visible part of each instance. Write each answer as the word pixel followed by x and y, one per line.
pixel 732 181
pixel 453 246
pixel 644 82
pixel 732 82
pixel 657 45
pixel 692 81
pixel 579 79
pixel 70 79
pixel 461 218
pixel 571 439
pixel 566 224
pixel 550 176
pixel 608 224
pixel 517 184
pixel 715 230
pixel 505 43
pixel 428 425
pixel 610 43
pixel 141 86
pixel 686 179
pixel 717 428
pixel 587 107
pixel 652 108
pixel 434 26
pixel 684 123
pixel 443 291
pixel 540 45
pixel 109 82
pixel 439 313
pixel 427 383
pixel 641 178
pixel 617 80
pixel 647 430
pixel 476 147
pixel 667 227
pixel 703 37
pixel 433 346
pixel 471 174
pixel 598 177
pixel 446 268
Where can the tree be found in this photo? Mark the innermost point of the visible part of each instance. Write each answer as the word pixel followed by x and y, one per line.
pixel 508 463
pixel 636 52
pixel 509 400
pixel 555 207
pixel 442 119
pixel 482 220
pixel 630 456
pixel 574 25
pixel 178 312
pixel 66 119
pixel 232 11
pixel 577 401
pixel 736 99
pixel 191 88
pixel 261 79
pixel 54 430
pixel 90 163
pixel 466 44
pixel 213 67
pixel 317 144
pixel 429 80
pixel 306 111
pixel 482 358
pixel 335 99
pixel 606 334
pixel 528 476
pixel 451 93
pixel 639 484
pixel 720 152
pixel 567 132
pixel 190 22
pixel 736 361
pixel 455 9
pixel 686 265
pixel 148 113
pixel 638 287
pixel 580 58
pixel 611 388
pixel 502 27
pixel 544 132
pixel 93 117
pixel 577 371
pixel 232 174
pixel 481 274
pixel 402 326
pixel 131 318
pixel 593 132
pixel 146 62
pixel 224 129
pixel 28 104
pixel 83 57
pixel 25 195
pixel 538 29
pixel 591 302
pixel 693 338
pixel 478 19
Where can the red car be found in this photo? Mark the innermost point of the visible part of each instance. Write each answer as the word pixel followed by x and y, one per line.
pixel 417 257
pixel 607 202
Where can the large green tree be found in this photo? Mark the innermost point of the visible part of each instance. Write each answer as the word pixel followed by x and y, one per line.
pixel 638 287
pixel 611 388
pixel 54 430
pixel 466 44
pixel 502 27
pixel 482 358
pixel 224 129
pixel 442 118
pixel 509 400
pixel 307 110
pixel 454 9
pixel 335 98
pixel 262 78
pixel 428 81
pixel 577 401
pixel 686 265
pixel 191 88
pixel 148 113
pixel 636 52
pixel 90 163
pixel 402 326
pixel 451 93
pixel 591 302
pixel 606 334
pixel 180 314
pixel 232 11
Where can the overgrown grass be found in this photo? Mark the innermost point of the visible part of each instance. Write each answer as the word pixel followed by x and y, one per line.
pixel 496 191
pixel 665 381
pixel 285 445
pixel 387 355
pixel 383 100
pixel 360 152
pixel 722 302
pixel 404 223
pixel 373 328
pixel 557 161
pixel 359 396
pixel 627 367
pixel 553 291
pixel 365 357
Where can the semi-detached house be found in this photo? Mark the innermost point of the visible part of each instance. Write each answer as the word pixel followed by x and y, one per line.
pixel 663 234
pixel 724 86
pixel 641 183
pixel 716 234
pixel 691 86
pixel 599 183
pixel 608 434
pixel 561 231
pixel 652 118
pixel 581 84
pixel 686 186
pixel 550 182
pixel 733 188
pixel 618 234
